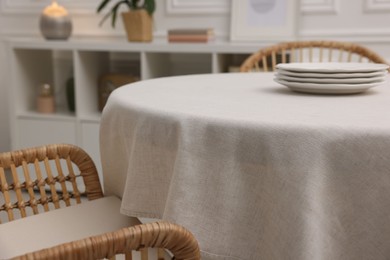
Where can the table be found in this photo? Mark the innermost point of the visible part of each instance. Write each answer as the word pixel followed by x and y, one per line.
pixel 254 170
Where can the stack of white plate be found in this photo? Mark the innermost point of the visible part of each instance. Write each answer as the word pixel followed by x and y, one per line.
pixel 331 78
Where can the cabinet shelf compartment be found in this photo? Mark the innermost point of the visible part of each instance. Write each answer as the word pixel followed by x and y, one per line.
pixel 31 69
pixel 160 64
pixel 229 62
pixel 91 66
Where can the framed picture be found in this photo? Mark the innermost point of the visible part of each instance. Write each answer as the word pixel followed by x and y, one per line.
pixel 263 20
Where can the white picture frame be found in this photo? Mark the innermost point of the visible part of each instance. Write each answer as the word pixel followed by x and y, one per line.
pixel 263 20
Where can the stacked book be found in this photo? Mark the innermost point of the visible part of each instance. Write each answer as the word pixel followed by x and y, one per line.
pixel 191 35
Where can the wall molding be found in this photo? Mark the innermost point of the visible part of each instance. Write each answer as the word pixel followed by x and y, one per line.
pixel 320 6
pixel 36 6
pixel 199 7
pixel 179 7
pixel 373 6
pixel 353 35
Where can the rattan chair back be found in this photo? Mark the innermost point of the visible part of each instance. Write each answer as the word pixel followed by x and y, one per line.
pixel 48 177
pixel 267 58
pixel 179 241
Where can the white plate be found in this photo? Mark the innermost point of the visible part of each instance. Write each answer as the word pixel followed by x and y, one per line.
pixel 331 80
pixel 317 88
pixel 333 75
pixel 332 67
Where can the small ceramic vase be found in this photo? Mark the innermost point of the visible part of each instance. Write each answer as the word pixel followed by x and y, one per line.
pixel 55 22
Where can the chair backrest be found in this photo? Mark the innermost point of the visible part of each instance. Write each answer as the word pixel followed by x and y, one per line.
pixel 267 58
pixel 179 241
pixel 43 178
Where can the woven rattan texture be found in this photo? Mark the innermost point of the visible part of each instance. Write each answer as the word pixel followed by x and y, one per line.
pixel 179 241
pixel 46 177
pixel 267 58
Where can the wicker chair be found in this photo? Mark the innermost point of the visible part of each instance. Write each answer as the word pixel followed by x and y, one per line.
pixel 176 239
pixel 60 175
pixel 49 179
pixel 308 51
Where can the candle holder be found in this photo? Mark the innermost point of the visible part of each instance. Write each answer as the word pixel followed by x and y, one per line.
pixel 55 22
pixel 45 100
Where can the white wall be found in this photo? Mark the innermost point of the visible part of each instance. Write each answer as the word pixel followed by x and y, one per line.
pixel 361 21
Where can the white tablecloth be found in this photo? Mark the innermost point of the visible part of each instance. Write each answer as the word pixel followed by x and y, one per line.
pixel 254 170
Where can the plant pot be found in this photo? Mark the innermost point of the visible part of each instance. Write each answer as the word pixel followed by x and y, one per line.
pixel 138 25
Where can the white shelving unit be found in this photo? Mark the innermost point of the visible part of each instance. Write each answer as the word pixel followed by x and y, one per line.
pixel 35 61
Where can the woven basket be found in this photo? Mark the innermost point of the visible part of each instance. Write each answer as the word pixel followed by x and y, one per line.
pixel 138 25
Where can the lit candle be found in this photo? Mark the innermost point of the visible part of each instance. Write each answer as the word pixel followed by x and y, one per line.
pixel 55 10
pixel 55 23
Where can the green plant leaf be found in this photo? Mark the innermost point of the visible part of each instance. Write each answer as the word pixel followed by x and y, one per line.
pixel 102 5
pixel 104 18
pixel 113 19
pixel 129 4
pixel 150 6
pixel 114 12
pixel 133 4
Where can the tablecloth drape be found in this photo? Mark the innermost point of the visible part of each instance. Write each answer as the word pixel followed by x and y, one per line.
pixel 254 170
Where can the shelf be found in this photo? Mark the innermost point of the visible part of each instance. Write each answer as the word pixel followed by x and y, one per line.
pixel 157 45
pixel 92 118
pixel 63 116
pixel 89 68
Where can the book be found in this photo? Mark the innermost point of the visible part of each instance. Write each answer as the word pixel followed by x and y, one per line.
pixel 198 31
pixel 190 38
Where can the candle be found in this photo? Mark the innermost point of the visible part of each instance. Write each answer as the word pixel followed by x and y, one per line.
pixel 55 10
pixel 45 100
pixel 55 22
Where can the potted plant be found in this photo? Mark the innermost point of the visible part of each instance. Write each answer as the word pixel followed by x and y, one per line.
pixel 137 21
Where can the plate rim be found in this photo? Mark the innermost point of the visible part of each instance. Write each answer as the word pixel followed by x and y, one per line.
pixel 328 80
pixel 382 73
pixel 335 88
pixel 332 67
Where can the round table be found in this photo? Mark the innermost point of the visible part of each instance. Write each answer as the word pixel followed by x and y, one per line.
pixel 254 170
